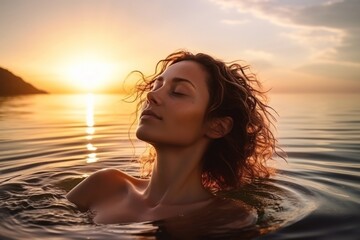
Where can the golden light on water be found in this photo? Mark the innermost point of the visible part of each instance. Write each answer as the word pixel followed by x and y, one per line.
pixel 90 111
pixel 91 158
pixel 89 137
pixel 90 130
pixel 90 147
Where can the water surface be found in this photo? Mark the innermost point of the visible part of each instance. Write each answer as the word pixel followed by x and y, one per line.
pixel 48 143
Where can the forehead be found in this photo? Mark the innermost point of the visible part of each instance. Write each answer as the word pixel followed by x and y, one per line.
pixel 189 70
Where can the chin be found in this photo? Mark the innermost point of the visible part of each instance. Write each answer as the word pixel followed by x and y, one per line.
pixel 139 134
pixel 143 135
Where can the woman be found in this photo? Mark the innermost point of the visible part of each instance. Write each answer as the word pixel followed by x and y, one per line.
pixel 209 129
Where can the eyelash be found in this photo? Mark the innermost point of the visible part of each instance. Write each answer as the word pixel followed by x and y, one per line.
pixel 174 93
pixel 177 94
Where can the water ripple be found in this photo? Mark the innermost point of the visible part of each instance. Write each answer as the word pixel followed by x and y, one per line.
pixel 45 142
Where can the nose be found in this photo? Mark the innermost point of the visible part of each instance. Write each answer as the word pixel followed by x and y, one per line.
pixel 152 97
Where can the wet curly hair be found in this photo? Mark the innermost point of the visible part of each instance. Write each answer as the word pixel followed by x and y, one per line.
pixel 242 155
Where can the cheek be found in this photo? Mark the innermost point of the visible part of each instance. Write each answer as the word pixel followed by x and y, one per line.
pixel 187 120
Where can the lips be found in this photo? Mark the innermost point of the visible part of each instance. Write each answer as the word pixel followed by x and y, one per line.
pixel 150 113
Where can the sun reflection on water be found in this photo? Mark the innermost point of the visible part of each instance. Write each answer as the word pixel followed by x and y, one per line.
pixel 90 130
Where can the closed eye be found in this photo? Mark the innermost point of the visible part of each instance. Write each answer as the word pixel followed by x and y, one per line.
pixel 175 93
pixel 179 90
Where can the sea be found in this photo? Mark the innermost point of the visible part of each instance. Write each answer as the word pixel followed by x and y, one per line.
pixel 51 142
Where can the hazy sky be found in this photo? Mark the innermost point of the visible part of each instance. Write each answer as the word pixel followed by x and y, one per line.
pixel 293 45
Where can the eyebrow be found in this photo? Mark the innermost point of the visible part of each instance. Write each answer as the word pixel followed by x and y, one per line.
pixel 177 80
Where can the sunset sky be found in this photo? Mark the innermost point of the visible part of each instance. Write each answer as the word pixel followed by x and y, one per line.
pixel 80 46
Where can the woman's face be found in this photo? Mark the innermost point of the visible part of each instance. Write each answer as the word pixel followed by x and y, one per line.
pixel 176 106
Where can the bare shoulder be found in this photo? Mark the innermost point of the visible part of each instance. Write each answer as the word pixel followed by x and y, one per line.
pixel 101 185
pixel 112 176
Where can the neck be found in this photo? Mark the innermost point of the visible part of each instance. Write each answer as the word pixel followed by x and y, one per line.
pixel 176 177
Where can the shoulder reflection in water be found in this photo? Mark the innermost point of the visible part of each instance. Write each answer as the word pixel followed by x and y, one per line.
pixel 220 218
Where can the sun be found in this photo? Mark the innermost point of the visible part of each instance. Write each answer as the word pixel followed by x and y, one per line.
pixel 89 75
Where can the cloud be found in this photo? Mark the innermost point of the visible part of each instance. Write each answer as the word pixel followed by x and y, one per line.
pixel 330 27
pixel 259 59
pixel 256 54
pixel 336 14
pixel 322 43
pixel 234 22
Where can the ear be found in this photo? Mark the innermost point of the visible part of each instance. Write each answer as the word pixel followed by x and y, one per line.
pixel 219 127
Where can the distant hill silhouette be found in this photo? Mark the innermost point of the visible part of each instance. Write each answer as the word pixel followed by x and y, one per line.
pixel 11 84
